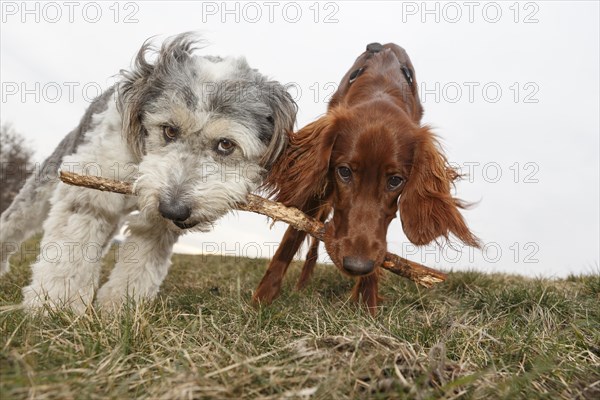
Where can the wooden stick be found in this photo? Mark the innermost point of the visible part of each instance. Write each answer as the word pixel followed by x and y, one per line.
pixel 416 272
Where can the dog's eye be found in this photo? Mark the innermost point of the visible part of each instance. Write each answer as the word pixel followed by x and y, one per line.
pixel 170 133
pixel 407 74
pixel 225 147
pixel 344 173
pixel 355 74
pixel 394 182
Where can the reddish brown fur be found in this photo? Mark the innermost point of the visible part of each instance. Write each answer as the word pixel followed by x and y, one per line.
pixel 372 127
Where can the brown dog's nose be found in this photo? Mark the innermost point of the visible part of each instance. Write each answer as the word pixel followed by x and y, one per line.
pixel 374 47
pixel 357 265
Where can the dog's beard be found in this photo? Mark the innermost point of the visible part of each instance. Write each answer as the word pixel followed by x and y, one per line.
pixel 210 189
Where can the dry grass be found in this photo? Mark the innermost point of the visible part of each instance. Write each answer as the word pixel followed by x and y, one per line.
pixel 475 336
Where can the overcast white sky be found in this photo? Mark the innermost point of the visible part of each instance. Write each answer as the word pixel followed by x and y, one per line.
pixel 512 89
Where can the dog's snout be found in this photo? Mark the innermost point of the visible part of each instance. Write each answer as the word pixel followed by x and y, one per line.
pixel 175 210
pixel 374 47
pixel 357 265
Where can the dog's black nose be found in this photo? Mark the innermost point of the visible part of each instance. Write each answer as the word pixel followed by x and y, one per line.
pixel 357 265
pixel 174 209
pixel 374 47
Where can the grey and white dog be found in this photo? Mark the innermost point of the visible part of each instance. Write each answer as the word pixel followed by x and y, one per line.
pixel 197 133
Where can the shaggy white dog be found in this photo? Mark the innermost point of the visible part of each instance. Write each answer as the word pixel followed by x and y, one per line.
pixel 196 133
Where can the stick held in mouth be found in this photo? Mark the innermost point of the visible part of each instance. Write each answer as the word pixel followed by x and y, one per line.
pixel 416 272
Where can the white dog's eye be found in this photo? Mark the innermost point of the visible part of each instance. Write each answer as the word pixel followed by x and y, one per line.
pixel 225 147
pixel 170 133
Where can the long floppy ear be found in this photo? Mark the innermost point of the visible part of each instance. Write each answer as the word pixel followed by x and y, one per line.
pixel 283 117
pixel 143 83
pixel 300 175
pixel 427 208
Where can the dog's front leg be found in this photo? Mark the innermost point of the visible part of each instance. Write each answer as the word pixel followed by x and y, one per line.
pixel 367 287
pixel 143 262
pixel 270 285
pixel 77 233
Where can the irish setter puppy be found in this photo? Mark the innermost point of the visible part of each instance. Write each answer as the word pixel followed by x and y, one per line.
pixel 364 160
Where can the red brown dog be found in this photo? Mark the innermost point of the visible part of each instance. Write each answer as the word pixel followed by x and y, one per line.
pixel 364 160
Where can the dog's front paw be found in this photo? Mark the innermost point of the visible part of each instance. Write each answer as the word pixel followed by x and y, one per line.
pixel 266 293
pixel 120 289
pixel 37 299
pixel 113 298
pixel 110 298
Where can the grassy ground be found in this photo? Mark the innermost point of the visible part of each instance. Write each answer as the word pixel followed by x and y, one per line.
pixel 475 336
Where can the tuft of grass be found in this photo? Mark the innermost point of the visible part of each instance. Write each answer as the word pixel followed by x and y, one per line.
pixel 474 336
